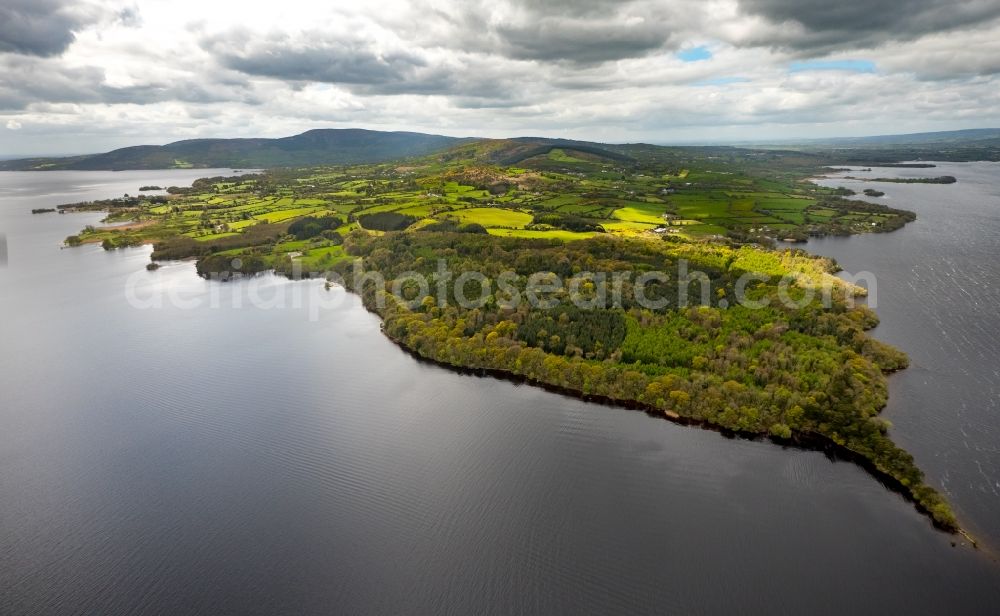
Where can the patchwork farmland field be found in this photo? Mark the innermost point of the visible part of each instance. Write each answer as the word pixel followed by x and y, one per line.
pixel 558 193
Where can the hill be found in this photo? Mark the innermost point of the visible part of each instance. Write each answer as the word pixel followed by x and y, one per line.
pixel 956 146
pixel 314 147
pixel 359 146
pixel 968 136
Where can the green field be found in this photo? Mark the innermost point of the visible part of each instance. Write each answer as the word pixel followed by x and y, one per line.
pixel 279 215
pixel 647 213
pixel 492 217
pixel 555 234
pixel 561 193
pixel 624 225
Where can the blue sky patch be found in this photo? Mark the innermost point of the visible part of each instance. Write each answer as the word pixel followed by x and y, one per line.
pixel 694 54
pixel 855 66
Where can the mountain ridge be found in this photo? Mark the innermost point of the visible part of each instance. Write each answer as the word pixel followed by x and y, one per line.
pixel 347 146
pixel 313 147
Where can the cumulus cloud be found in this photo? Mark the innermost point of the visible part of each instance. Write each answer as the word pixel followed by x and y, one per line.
pixel 43 27
pixel 576 32
pixel 28 81
pixel 125 71
pixel 822 25
pixel 311 56
pixel 362 64
pixel 943 56
pixel 578 41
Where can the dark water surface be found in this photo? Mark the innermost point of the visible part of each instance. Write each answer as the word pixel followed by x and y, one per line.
pixel 938 295
pixel 222 460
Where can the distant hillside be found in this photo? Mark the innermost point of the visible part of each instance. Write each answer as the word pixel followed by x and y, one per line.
pixel 524 148
pixel 358 146
pixel 969 136
pixel 507 152
pixel 955 145
pixel 314 147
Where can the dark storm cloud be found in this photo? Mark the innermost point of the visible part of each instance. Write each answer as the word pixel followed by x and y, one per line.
pixel 353 63
pixel 321 58
pixel 830 25
pixel 581 42
pixel 41 27
pixel 582 32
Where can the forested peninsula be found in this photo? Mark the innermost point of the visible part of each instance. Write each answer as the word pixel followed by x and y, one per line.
pixel 796 366
pixel 807 375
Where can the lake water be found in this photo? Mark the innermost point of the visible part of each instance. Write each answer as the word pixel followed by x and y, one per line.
pixel 938 295
pixel 222 460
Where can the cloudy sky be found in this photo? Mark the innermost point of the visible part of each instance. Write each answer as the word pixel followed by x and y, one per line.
pixel 89 75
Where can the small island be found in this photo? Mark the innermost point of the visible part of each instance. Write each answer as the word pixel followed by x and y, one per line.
pixel 125 205
pixel 149 188
pixel 944 179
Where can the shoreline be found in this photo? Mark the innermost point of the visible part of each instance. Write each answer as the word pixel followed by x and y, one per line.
pixel 912 490
pixel 799 440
